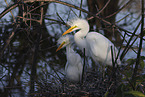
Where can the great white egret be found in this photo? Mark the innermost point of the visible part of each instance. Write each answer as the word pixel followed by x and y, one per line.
pixel 96 45
pixel 74 66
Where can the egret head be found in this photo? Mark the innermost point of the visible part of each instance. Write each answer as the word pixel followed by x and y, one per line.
pixel 64 41
pixel 76 24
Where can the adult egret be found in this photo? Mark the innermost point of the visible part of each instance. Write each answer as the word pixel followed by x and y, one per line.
pixel 74 66
pixel 96 45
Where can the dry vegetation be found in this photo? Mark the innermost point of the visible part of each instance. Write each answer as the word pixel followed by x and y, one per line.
pixel 31 67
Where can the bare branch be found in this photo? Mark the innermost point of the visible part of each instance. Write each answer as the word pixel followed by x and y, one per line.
pixel 140 47
pixel 28 19
pixel 119 9
pixel 11 12
pixel 8 9
pixel 41 19
pixel 7 43
pixel 102 9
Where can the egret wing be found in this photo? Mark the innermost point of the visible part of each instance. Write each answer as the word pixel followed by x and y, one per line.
pixel 99 46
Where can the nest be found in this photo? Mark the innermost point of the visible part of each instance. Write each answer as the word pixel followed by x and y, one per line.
pixel 93 85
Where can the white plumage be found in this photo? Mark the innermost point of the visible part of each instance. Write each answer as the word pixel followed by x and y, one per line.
pixel 74 66
pixel 96 45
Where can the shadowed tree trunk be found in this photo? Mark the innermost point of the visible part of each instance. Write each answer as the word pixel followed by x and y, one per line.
pixel 34 44
pixel 38 38
pixel 94 7
pixel 37 33
pixel 29 34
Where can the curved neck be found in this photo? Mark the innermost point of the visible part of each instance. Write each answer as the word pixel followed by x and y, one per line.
pixel 70 55
pixel 80 40
pixel 69 49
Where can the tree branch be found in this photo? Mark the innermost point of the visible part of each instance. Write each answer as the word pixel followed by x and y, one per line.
pixel 140 47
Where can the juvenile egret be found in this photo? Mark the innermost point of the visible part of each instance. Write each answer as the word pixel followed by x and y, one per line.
pixel 74 66
pixel 96 45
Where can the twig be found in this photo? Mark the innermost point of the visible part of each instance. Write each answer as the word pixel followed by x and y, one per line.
pixel 28 19
pixel 34 61
pixel 41 19
pixel 140 47
pixel 112 57
pixel 8 41
pixel 120 47
pixel 42 4
pixel 64 3
pixel 73 6
pixel 119 9
pixel 62 21
pixel 11 11
pixel 122 18
pixel 80 7
pixel 8 9
pixel 131 44
pixel 83 67
pixel 106 93
pixel 100 10
pixel 113 63
pixel 51 67
pixel 133 34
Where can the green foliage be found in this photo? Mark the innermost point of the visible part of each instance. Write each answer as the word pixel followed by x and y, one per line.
pixel 142 63
pixel 133 94
pixel 106 94
pixel 127 88
pixel 123 92
pixel 131 61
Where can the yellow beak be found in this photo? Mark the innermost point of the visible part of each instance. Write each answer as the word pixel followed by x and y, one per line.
pixel 61 45
pixel 69 30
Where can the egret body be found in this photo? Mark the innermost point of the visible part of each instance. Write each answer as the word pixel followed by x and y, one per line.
pixel 74 66
pixel 96 45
